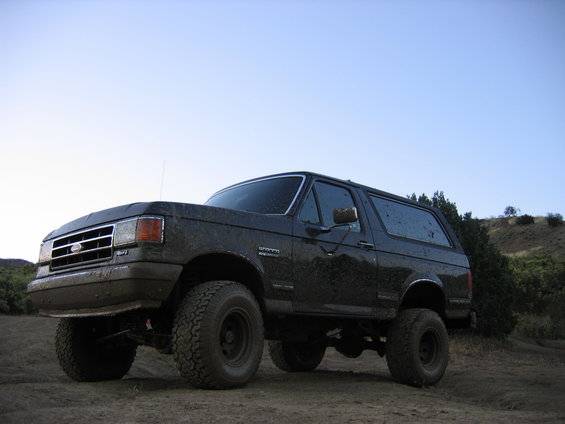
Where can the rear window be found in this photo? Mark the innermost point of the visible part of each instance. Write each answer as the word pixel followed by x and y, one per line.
pixel 401 219
pixel 273 196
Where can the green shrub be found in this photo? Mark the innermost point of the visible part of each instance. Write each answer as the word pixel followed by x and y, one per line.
pixel 525 219
pixel 556 311
pixel 13 283
pixel 540 296
pixel 539 327
pixel 493 285
pixel 539 282
pixel 554 219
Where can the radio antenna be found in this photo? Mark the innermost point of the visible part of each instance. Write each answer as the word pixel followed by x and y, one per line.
pixel 162 179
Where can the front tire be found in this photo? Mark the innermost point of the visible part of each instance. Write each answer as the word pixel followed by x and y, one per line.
pixel 296 357
pixel 218 335
pixel 417 348
pixel 85 357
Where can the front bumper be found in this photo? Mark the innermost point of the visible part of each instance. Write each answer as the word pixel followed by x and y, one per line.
pixel 104 290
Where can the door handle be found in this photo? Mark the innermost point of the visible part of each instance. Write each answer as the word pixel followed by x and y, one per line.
pixel 366 244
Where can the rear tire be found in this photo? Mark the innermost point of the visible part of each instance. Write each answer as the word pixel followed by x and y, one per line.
pixel 296 357
pixel 218 335
pixel 417 348
pixel 84 358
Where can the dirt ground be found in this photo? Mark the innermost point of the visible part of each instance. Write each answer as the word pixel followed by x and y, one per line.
pixel 520 384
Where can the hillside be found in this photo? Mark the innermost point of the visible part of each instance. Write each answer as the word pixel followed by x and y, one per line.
pixel 527 240
pixel 14 263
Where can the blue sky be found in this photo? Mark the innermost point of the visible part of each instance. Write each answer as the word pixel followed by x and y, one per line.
pixel 467 97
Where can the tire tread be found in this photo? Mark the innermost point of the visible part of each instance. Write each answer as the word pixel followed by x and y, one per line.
pixel 187 335
pixel 400 347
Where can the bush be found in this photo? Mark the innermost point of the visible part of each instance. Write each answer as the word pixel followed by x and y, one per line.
pixel 554 219
pixel 13 296
pixel 539 327
pixel 525 220
pixel 493 285
pixel 540 296
pixel 539 282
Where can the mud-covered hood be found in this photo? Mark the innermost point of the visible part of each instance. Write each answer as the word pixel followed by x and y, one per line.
pixel 176 211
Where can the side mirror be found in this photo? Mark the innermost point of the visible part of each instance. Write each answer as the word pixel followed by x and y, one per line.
pixel 342 217
pixel 345 215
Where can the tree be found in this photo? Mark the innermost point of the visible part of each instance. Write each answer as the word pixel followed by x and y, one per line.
pixel 511 211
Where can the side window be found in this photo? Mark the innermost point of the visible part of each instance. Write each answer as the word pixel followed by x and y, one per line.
pixel 309 212
pixel 405 220
pixel 331 197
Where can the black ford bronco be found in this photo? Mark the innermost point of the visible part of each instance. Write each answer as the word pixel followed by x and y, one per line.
pixel 304 261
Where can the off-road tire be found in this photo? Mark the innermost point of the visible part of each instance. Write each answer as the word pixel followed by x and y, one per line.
pixel 83 358
pixel 218 335
pixel 417 348
pixel 296 357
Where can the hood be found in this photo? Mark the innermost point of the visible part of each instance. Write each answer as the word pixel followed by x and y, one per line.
pixel 177 211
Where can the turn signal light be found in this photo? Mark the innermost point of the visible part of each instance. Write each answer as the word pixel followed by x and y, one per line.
pixel 144 228
pixel 150 229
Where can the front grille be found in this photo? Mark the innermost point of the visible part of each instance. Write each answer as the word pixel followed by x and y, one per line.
pixel 88 246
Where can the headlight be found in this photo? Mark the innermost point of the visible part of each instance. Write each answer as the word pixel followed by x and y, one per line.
pixel 45 252
pixel 139 229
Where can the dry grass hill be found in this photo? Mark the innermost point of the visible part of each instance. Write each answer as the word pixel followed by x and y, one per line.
pixel 538 238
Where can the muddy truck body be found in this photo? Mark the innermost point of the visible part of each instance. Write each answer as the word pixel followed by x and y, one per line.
pixel 301 260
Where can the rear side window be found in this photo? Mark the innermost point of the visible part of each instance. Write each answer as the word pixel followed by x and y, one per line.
pixel 401 219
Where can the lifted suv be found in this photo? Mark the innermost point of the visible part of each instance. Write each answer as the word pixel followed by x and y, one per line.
pixel 303 260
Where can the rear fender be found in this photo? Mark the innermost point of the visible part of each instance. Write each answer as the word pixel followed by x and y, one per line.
pixel 422 291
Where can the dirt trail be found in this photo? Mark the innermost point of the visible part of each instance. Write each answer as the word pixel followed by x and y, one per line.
pixel 520 385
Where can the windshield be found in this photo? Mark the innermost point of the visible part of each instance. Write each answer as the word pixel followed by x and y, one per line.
pixel 268 196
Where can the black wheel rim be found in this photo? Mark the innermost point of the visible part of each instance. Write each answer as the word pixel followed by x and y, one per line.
pixel 235 337
pixel 429 349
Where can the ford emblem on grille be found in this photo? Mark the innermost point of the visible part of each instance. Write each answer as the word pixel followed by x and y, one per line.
pixel 77 247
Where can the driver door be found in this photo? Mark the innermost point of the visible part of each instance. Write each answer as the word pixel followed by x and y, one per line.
pixel 334 267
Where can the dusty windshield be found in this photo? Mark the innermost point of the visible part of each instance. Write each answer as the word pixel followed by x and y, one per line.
pixel 268 196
